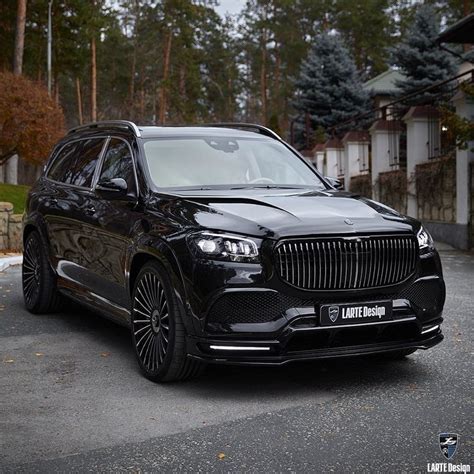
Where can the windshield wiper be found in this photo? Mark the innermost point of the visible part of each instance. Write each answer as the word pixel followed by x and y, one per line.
pixel 265 186
pixel 199 188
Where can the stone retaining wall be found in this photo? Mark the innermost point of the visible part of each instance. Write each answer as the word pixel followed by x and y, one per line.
pixel 10 227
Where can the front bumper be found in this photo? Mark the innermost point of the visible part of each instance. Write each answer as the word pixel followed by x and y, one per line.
pixel 246 315
pixel 301 344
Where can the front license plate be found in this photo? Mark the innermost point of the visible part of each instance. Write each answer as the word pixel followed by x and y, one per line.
pixel 355 313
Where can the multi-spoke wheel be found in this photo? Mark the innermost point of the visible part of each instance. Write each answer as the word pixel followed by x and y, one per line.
pixel 31 271
pixel 157 330
pixel 151 321
pixel 39 282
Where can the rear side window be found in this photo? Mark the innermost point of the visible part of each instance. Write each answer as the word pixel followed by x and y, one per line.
pixel 86 160
pixel 76 162
pixel 62 166
pixel 118 163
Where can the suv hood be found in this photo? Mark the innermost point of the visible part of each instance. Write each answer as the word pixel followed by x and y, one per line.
pixel 280 213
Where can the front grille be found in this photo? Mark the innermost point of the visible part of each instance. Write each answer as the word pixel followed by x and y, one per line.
pixel 346 263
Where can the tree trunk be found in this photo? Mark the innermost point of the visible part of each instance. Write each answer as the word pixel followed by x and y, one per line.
pixel 466 9
pixel 11 166
pixel 11 170
pixel 132 80
pixel 93 81
pixel 164 85
pixel 19 38
pixel 263 77
pixel 79 101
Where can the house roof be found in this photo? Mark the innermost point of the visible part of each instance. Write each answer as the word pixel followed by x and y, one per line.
pixel 333 143
pixel 319 147
pixel 384 84
pixel 461 32
pixel 387 125
pixel 307 153
pixel 422 111
pixel 356 136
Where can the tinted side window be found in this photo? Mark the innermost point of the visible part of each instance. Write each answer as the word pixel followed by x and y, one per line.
pixel 62 167
pixel 118 163
pixel 86 160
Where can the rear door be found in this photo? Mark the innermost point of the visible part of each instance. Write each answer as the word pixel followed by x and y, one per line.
pixel 71 214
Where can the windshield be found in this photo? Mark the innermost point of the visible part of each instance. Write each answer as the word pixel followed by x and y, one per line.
pixel 226 161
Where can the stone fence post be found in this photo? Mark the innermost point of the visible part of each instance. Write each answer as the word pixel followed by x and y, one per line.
pixel 422 127
pixel 384 134
pixel 10 227
pixel 464 159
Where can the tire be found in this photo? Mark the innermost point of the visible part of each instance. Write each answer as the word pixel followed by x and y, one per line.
pixel 158 333
pixel 40 291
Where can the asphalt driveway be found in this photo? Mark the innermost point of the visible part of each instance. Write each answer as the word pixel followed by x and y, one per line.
pixel 72 399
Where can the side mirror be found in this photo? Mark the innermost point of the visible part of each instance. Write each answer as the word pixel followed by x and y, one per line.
pixel 115 188
pixel 334 182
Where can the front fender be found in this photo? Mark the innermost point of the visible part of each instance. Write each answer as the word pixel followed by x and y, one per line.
pixel 153 247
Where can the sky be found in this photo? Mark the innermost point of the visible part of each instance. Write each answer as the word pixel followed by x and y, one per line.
pixel 230 6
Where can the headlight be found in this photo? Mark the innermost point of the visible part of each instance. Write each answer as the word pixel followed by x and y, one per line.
pixel 224 247
pixel 425 241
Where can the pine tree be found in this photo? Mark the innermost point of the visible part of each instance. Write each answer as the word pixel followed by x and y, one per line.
pixel 420 59
pixel 329 89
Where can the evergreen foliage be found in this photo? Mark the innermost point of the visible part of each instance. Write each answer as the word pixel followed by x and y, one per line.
pixel 420 58
pixel 329 89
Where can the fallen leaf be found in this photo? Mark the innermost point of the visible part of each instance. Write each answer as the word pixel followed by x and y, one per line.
pixel 221 456
pixel 104 354
pixel 9 361
pixel 39 354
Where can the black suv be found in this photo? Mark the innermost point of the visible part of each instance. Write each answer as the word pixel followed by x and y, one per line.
pixel 222 244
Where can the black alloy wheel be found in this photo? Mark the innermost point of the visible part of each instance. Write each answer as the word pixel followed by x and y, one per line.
pixel 158 333
pixel 39 281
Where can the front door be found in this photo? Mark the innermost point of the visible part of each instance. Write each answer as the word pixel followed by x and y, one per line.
pixel 115 221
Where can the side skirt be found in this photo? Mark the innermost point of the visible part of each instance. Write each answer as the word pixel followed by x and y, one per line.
pixel 96 303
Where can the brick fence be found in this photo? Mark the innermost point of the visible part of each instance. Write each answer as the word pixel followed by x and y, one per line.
pixel 10 227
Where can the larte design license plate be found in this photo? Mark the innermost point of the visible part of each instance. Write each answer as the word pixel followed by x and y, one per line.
pixel 355 313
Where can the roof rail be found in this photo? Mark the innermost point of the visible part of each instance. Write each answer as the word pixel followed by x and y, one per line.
pixel 109 123
pixel 259 128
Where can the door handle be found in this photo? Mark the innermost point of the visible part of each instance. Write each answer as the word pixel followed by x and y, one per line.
pixel 90 210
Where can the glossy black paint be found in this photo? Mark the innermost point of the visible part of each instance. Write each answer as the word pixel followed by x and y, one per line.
pixel 97 244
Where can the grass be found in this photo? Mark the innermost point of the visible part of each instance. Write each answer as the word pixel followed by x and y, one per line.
pixel 16 194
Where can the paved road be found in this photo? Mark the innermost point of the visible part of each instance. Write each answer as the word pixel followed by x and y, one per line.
pixel 72 399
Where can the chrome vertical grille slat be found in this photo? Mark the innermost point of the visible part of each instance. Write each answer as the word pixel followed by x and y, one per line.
pixel 346 263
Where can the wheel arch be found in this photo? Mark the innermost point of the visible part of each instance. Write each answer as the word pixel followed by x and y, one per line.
pixel 159 251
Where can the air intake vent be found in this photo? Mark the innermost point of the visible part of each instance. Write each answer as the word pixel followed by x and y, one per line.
pixel 346 263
